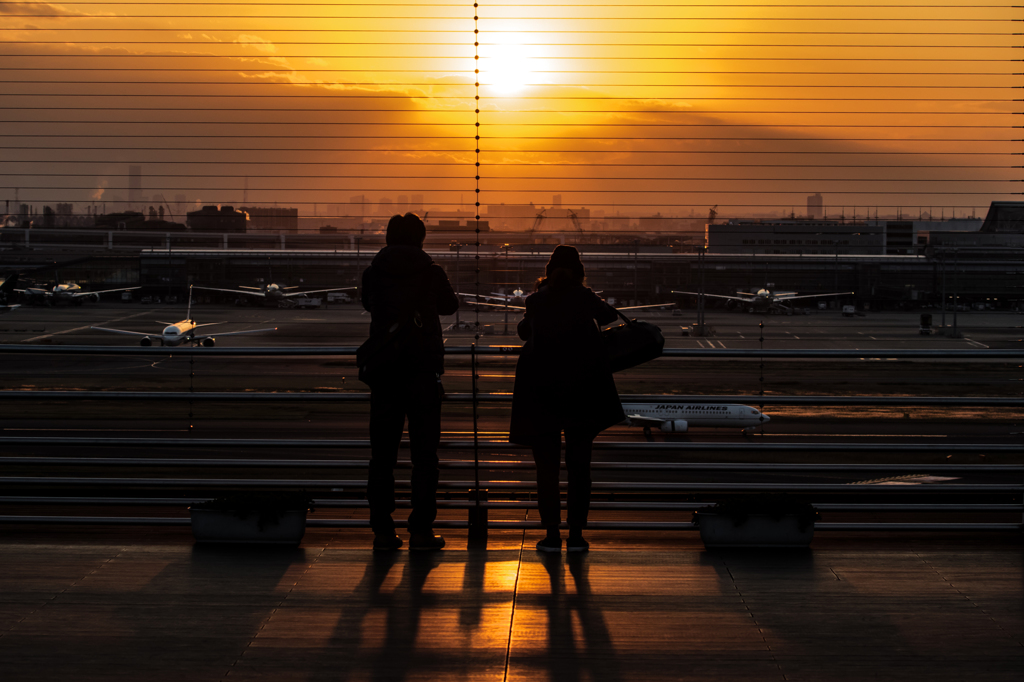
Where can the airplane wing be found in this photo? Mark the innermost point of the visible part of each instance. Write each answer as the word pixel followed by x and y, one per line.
pixel 32 291
pixel 81 294
pixel 499 305
pixel 316 291
pixel 637 420
pixel 123 331
pixel 248 331
pixel 748 299
pixel 489 297
pixel 787 297
pixel 649 305
pixel 232 291
pixel 9 308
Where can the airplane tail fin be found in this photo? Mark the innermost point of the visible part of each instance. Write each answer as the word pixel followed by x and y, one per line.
pixel 188 314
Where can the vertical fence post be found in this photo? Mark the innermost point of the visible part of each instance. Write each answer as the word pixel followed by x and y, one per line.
pixel 477 513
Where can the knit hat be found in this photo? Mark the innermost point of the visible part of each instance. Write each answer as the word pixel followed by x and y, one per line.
pixel 565 257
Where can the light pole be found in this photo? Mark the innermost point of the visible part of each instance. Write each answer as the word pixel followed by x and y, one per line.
pixel 700 299
pixel 956 287
pixel 837 270
pixel 942 260
pixel 506 247
pixel 636 269
pixel 458 249
pixel 358 278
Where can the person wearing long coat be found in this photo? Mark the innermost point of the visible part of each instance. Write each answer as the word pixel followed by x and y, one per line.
pixel 563 384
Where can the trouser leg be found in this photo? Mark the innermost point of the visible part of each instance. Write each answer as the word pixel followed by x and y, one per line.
pixel 547 453
pixel 578 449
pixel 424 437
pixel 387 419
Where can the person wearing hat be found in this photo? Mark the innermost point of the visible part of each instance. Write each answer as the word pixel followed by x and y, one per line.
pixel 404 291
pixel 563 384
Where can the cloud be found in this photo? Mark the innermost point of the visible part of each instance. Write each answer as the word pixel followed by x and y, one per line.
pixel 258 43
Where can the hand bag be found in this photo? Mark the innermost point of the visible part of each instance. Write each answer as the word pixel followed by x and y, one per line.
pixel 632 343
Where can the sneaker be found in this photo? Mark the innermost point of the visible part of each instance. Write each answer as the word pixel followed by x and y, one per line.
pixel 550 545
pixel 386 543
pixel 577 545
pixel 425 542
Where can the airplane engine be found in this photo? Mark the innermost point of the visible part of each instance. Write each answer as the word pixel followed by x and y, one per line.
pixel 674 426
pixel 95 298
pixel 209 342
pixel 146 341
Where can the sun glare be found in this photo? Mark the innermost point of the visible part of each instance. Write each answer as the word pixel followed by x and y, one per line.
pixel 506 67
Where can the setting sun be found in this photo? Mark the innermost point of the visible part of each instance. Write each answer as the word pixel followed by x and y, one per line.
pixel 506 66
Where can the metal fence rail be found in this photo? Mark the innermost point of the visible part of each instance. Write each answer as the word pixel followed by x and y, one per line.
pixel 705 353
pixel 1005 482
pixel 354 397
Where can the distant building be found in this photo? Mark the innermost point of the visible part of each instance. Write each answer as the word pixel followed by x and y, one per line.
pixel 272 219
pixel 513 217
pixel 459 226
pixel 416 206
pixel 124 220
pixel 815 207
pixel 788 236
pixel 1004 217
pixel 213 219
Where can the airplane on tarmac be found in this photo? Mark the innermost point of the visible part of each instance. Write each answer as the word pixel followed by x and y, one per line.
pixel 523 307
pixel 272 292
pixel 765 300
pixel 6 288
pixel 177 333
pixel 679 417
pixel 67 293
pixel 515 298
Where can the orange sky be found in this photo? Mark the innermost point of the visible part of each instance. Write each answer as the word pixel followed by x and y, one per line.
pixel 628 107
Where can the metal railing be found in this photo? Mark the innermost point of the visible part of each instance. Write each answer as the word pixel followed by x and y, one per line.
pixel 1002 481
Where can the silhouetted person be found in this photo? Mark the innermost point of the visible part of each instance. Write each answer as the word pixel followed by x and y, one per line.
pixel 563 384
pixel 404 291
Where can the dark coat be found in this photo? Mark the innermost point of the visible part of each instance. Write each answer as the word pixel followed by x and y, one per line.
pixel 561 378
pixel 404 286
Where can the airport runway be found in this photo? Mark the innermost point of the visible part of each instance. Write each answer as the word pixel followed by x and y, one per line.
pixel 346 325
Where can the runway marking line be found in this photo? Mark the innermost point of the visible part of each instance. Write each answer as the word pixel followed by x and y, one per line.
pixel 78 329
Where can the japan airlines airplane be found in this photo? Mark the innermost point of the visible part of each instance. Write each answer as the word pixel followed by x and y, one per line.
pixel 177 333
pixel 503 306
pixel 273 292
pixel 68 293
pixel 679 417
pixel 764 300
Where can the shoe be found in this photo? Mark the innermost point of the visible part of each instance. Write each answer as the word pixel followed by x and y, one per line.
pixel 386 543
pixel 550 545
pixel 425 542
pixel 577 545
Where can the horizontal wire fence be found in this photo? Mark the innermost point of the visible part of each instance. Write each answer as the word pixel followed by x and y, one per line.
pixel 602 114
pixel 539 118
pixel 1000 489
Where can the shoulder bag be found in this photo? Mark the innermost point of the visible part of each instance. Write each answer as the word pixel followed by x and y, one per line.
pixel 632 343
